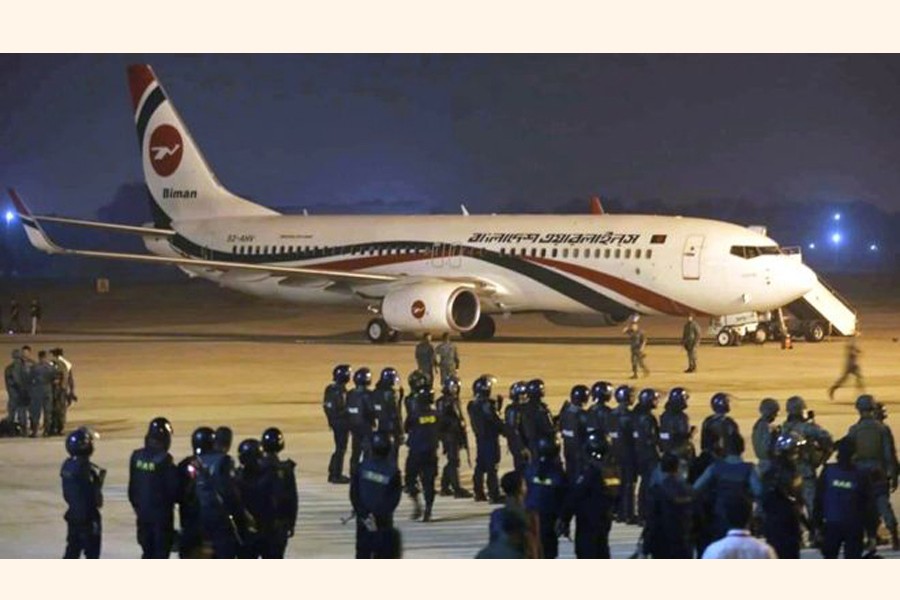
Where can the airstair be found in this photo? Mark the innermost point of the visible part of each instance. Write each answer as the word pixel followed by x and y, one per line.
pixel 825 312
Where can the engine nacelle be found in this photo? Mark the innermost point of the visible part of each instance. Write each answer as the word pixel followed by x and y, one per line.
pixel 580 320
pixel 434 306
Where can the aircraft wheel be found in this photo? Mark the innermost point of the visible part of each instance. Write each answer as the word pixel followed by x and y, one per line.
pixel 760 336
pixel 723 338
pixel 815 332
pixel 377 331
pixel 393 336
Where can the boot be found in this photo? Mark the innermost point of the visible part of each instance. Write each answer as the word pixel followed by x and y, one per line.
pixel 895 539
pixel 427 517
pixel 462 493
pixel 417 509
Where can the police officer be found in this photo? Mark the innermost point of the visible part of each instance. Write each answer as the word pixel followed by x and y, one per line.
pixel 591 500
pixel 512 423
pixel 63 393
pixel 690 339
pixel 874 457
pixel 386 401
pixel 223 436
pixel 485 419
pixel 421 463
pixel 601 394
pixel 375 493
pixel 16 391
pixel 40 392
pixel 425 359
pixel 153 490
pixel 447 357
pixel 572 421
pixel 453 437
pixel 280 485
pixel 646 444
pixel 718 428
pixel 15 323
pixel 360 416
pixel 335 405
pixel 620 425
pixel 843 504
pixel 254 494
pixel 675 430
pixel 547 487
pixel 82 484
pixel 537 422
pixel 669 518
pixel 637 341
pixel 851 367
pixel 814 452
pixel 765 432
pixel 782 501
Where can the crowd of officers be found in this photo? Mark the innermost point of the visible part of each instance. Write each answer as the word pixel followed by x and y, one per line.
pixel 615 464
pixel 224 510
pixel 13 324
pixel 39 391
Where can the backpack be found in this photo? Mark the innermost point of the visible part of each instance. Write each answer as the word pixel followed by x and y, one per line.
pixel 207 487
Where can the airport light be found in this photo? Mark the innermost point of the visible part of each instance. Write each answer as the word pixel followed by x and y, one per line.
pixel 812 246
pixel 873 247
pixel 836 238
pixel 9 216
pixel 837 216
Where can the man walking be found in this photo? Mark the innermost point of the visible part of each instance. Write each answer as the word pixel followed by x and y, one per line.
pixel 425 360
pixel 447 358
pixel 690 339
pixel 637 342
pixel 851 367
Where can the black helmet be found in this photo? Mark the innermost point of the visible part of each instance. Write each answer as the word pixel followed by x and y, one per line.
pixel 768 408
pixel 341 374
pixel 648 399
pixel 203 440
pixel 625 395
pixel 381 443
pixel 596 446
pixel 535 389
pixel 272 440
pixel 601 392
pixel 483 386
pixel 678 399
pixel 417 380
pixel 362 377
pixel 880 411
pixel 720 403
pixel 80 442
pixel 249 452
pixel 547 447
pixel 451 385
pixel 159 433
pixel 579 395
pixel 389 377
pixel 865 403
pixel 224 436
pixel 795 406
pixel 846 449
pixel 789 444
pixel 518 391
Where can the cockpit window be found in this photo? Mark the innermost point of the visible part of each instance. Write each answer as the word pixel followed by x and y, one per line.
pixel 754 251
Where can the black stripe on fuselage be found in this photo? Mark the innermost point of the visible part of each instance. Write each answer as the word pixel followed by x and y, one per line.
pixel 153 101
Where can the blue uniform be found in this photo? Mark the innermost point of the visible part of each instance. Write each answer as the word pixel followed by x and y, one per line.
pixel 844 504
pixel 591 500
pixel 82 484
pixel 277 521
pixel 620 424
pixel 782 507
pixel 220 515
pixel 668 532
pixel 723 481
pixel 547 487
pixel 515 440
pixel 335 405
pixel 646 450
pixel 152 492
pixel 573 429
pixel 488 429
pixel 362 423
pixel 421 462
pixel 375 490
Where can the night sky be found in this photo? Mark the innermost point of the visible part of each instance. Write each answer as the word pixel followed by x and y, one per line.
pixel 404 133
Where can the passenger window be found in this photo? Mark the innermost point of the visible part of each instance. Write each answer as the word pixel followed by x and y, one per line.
pixel 554 253
pixel 649 253
pixel 618 253
pixel 543 252
pixel 627 252
pixel 637 253
pixel 502 251
pixel 533 252
pixel 565 253
pixel 596 252
pixel 606 253
pixel 575 253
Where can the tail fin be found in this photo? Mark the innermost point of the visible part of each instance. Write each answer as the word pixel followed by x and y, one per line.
pixel 180 183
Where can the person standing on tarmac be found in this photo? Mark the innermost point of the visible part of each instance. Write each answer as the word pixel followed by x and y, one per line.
pixel 453 438
pixel 669 519
pixel 843 504
pixel 547 487
pixel 447 357
pixel 646 444
pixel 875 458
pixel 620 425
pixel 601 394
pixel 360 417
pixel 572 421
pixel 512 426
pixel 15 323
pixel 425 358
pixel 485 419
pixel 386 401
pixel 637 342
pixel 675 430
pixel 280 484
pixel 690 340
pixel 851 367
pixel 64 394
pixel 718 428
pixel 251 486
pixel 40 391
pixel 153 490
pixel 375 494
pixel 782 497
pixel 814 452
pixel 537 422
pixel 335 405
pixel 765 432
pixel 16 391
pixel 36 314
pixel 82 487
pixel 422 461
pixel 224 438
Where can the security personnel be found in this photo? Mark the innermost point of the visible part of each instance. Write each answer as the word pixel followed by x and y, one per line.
pixel 153 490
pixel 537 422
pixel 447 357
pixel 375 493
pixel 453 436
pixel 425 359
pixel 765 432
pixel 421 463
pixel 485 419
pixel 572 421
pixel 360 416
pixel 547 488
pixel 881 416
pixel 728 480
pixel 224 437
pixel 63 393
pixel 15 391
pixel 874 456
pixel 280 485
pixel 646 444
pixel 669 520
pixel 690 339
pixel 851 367
pixel 782 501
pixel 253 493
pixel 591 500
pixel 675 430
pixel 843 504
pixel 15 324
pixel 386 400
pixel 814 453
pixel 82 486
pixel 637 341
pixel 40 392
pixel 512 423
pixel 620 425
pixel 335 405
pixel 718 428
pixel 21 374
pixel 601 394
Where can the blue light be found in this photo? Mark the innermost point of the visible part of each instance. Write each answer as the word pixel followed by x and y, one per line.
pixel 9 216
pixel 837 216
pixel 873 247
pixel 812 246
pixel 836 238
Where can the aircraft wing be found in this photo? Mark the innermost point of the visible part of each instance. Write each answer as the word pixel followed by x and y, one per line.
pixel 106 226
pixel 40 240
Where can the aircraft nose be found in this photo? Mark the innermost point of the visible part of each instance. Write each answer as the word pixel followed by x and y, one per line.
pixel 804 279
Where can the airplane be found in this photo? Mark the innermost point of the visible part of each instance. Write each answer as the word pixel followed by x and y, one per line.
pixel 435 273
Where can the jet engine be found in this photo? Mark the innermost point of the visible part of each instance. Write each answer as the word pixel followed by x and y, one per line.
pixel 435 306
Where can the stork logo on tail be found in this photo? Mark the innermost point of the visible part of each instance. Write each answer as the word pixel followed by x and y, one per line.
pixel 166 149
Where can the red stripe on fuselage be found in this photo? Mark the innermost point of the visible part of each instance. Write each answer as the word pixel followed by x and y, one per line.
pixel 139 79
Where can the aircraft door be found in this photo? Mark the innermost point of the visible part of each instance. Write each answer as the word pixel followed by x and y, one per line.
pixel 454 257
pixel 437 256
pixel 690 258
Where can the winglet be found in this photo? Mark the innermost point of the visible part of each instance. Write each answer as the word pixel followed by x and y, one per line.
pixel 596 206
pixel 33 229
pixel 465 211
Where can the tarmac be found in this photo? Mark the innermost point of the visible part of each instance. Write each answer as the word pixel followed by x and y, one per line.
pixel 200 355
